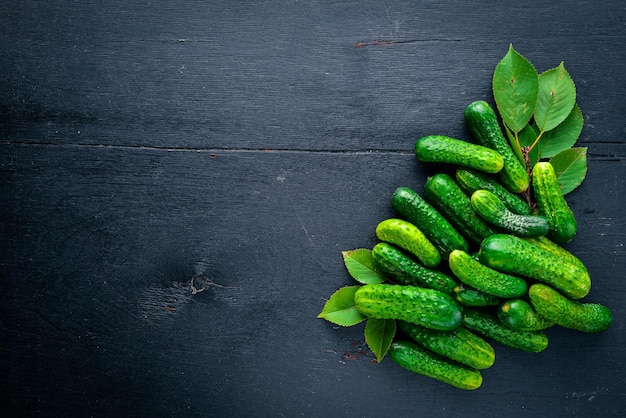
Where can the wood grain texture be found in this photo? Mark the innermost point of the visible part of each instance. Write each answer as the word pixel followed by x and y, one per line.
pixel 263 75
pixel 241 146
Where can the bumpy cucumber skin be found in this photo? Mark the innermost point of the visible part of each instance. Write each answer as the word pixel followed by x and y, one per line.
pixel 412 357
pixel 483 124
pixel 520 315
pixel 459 345
pixel 514 255
pixel 427 307
pixel 585 317
pixel 472 180
pixel 443 149
pixel 490 326
pixel 492 209
pixel 552 204
pixel 403 270
pixel 474 274
pixel 468 296
pixel 411 206
pixel 448 198
pixel 409 237
pixel 556 249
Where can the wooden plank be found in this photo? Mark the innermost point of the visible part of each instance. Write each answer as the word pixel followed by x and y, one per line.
pixel 262 76
pixel 98 315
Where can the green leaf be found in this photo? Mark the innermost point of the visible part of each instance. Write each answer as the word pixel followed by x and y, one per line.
pixel 379 334
pixel 360 265
pixel 556 98
pixel 515 86
pixel 564 136
pixel 340 308
pixel 570 167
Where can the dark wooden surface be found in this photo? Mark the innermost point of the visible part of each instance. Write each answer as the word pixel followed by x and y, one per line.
pixel 249 143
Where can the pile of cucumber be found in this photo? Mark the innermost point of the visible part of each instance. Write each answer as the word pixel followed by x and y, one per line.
pixel 476 258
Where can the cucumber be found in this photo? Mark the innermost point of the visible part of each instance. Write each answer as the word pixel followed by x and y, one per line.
pixel 489 326
pixel 427 307
pixel 441 191
pixel 552 204
pixel 492 209
pixel 443 149
pixel 585 317
pixel 483 124
pixel 410 238
pixel 472 180
pixel 403 270
pixel 419 360
pixel 459 345
pixel 411 206
pixel 557 250
pixel 468 296
pixel 480 277
pixel 514 255
pixel 519 314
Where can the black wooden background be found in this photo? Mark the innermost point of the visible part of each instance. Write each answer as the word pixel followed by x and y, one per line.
pixel 247 144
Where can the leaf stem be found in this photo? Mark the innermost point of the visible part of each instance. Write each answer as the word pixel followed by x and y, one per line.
pixel 527 194
pixel 536 140
pixel 517 141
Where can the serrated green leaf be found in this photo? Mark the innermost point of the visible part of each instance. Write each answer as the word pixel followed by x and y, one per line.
pixel 570 167
pixel 556 98
pixel 379 334
pixel 360 265
pixel 340 308
pixel 515 87
pixel 563 137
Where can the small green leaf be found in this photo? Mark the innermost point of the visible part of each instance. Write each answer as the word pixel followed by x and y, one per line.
pixel 379 334
pixel 515 86
pixel 556 98
pixel 360 265
pixel 563 137
pixel 340 308
pixel 570 167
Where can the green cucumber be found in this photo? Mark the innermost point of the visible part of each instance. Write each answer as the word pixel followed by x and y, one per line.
pixel 557 250
pixel 472 180
pixel 448 198
pixel 443 149
pixel 459 345
pixel 514 255
pixel 402 269
pixel 519 314
pixel 585 317
pixel 427 307
pixel 482 122
pixel 489 326
pixel 412 357
pixel 492 209
pixel 410 238
pixel 468 296
pixel 411 206
pixel 480 277
pixel 552 204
